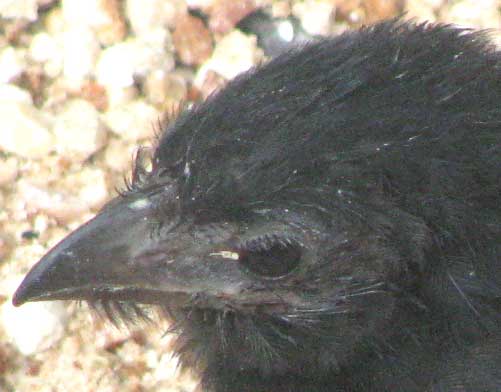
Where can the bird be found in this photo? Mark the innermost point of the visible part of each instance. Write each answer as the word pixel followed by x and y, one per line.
pixel 329 220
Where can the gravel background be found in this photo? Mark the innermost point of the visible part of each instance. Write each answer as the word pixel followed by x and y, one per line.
pixel 82 83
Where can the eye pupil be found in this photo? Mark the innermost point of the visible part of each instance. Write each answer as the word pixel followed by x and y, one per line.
pixel 271 259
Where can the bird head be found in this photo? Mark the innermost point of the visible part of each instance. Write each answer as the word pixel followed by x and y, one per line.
pixel 257 257
pixel 275 225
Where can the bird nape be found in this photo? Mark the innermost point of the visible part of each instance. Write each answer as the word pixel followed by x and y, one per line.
pixel 329 221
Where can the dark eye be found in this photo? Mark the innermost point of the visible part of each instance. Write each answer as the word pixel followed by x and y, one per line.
pixel 270 256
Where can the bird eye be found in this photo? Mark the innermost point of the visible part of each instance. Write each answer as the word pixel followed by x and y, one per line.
pixel 270 256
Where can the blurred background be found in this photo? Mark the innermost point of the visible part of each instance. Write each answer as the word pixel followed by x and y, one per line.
pixel 82 84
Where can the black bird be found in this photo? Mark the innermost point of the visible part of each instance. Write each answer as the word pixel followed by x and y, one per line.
pixel 330 221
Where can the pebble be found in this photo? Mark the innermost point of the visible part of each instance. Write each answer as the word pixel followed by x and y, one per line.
pixel 41 223
pixel 18 325
pixel 80 53
pixel 420 10
pixel 78 12
pixel 95 94
pixel 91 185
pixel 316 16
pixel 78 130
pixel 281 9
pixel 6 243
pixel 199 4
pixel 119 65
pixel 225 14
pixel 115 29
pixel 13 94
pixel 235 53
pixel 167 367
pixel 46 50
pixel 118 155
pixel 25 130
pixel 56 204
pixel 104 17
pixel 42 47
pixel 133 121
pixel 12 63
pixel 192 40
pixel 378 10
pixel 8 170
pixel 35 326
pixel 474 13
pixel 54 22
pixel 212 81
pixel 20 9
pixel 147 15
pixel 163 89
pixel 117 96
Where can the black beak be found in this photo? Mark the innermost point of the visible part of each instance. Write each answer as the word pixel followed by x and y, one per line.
pixel 95 258
pixel 123 254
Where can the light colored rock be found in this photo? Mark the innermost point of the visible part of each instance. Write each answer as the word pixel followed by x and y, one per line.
pixel 8 170
pixel 78 12
pixel 316 16
pixel 54 21
pixel 42 47
pixel 225 14
pixel 80 53
pixel 118 155
pixel 118 96
pixel 280 9
pixel 59 205
pixel 91 186
pixel 115 29
pixel 145 15
pixel 474 13
pixel 19 9
pixel 27 337
pixel 192 40
pixel 13 94
pixel 41 223
pixel 78 130
pixel 102 16
pixel 211 82
pixel 34 327
pixel 200 4
pixel 25 130
pixel 167 367
pixel 114 67
pixel 235 53
pixel 133 121
pixel 158 40
pixel 57 93
pixel 419 10
pixel 6 243
pixel 45 49
pixel 12 63
pixel 165 88
pixel 120 64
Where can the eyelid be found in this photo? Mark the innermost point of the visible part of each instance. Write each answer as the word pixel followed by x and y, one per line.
pixel 267 241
